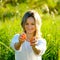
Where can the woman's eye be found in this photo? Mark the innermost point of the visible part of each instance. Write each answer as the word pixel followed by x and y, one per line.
pixel 32 24
pixel 26 24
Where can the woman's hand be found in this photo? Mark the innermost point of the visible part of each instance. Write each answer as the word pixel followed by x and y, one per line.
pixel 33 41
pixel 22 38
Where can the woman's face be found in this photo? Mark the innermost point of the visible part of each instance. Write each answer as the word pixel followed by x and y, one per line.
pixel 30 26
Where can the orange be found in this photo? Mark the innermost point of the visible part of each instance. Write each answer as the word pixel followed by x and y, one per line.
pixel 23 36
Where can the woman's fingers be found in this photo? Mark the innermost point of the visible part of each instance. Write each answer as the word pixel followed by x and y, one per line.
pixel 22 37
pixel 34 42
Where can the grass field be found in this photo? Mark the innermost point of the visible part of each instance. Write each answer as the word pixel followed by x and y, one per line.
pixel 10 19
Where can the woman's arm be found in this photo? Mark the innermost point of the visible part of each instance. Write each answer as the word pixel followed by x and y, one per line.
pixel 40 47
pixel 36 51
pixel 21 39
pixel 16 42
pixel 17 45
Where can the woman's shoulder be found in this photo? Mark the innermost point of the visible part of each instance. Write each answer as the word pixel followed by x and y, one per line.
pixel 42 40
pixel 16 35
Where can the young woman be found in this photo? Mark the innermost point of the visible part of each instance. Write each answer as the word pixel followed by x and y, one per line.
pixel 29 45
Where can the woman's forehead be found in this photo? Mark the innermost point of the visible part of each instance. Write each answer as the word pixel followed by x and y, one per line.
pixel 30 19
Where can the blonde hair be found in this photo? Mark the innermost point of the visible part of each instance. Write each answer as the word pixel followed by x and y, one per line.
pixel 37 18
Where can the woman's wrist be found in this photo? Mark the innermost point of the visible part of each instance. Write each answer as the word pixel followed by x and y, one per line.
pixel 17 45
pixel 35 50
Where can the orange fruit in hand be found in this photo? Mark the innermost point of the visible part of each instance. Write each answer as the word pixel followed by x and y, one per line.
pixel 23 36
pixel 32 39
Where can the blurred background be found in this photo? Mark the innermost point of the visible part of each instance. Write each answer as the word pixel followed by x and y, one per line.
pixel 11 13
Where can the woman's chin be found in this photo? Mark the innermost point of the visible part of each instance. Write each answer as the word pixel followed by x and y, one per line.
pixel 29 32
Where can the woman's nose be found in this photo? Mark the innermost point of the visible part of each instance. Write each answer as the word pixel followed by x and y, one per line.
pixel 29 26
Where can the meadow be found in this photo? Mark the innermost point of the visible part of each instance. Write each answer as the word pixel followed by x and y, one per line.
pixel 10 19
